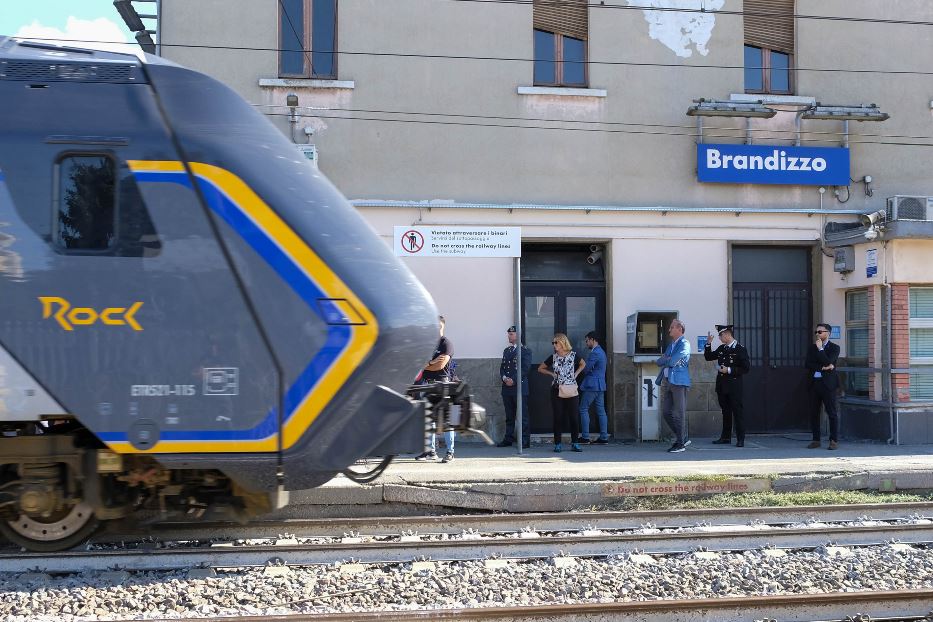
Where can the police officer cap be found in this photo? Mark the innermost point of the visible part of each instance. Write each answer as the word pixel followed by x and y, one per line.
pixel 721 327
pixel 510 329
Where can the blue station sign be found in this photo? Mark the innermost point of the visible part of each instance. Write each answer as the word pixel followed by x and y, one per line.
pixel 771 164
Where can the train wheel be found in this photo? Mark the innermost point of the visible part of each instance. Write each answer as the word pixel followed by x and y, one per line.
pixel 63 530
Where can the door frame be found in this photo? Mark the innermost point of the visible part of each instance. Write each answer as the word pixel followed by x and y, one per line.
pixel 816 271
pixel 815 281
pixel 560 291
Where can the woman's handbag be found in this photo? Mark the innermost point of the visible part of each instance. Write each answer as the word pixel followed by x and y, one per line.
pixel 567 390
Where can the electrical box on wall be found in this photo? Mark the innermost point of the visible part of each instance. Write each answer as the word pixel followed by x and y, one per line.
pixel 845 259
pixel 647 333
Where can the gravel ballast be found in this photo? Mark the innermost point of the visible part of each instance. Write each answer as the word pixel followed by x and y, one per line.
pixel 463 584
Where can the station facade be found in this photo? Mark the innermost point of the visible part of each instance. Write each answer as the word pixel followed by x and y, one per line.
pixel 580 123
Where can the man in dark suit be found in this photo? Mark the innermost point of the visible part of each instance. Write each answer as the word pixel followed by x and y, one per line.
pixel 824 382
pixel 508 374
pixel 731 364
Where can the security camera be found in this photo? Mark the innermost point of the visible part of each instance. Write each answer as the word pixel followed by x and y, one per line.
pixel 594 248
pixel 291 100
pixel 873 218
pixel 595 256
pixel 871 234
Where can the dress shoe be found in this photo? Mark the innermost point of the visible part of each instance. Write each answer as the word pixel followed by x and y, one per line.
pixel 601 441
pixel 833 445
pixel 722 441
pixel 813 445
pixel 585 441
pixel 504 443
pixel 740 443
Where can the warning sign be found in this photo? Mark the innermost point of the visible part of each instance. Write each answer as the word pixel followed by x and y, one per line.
pixel 412 241
pixel 654 489
pixel 458 241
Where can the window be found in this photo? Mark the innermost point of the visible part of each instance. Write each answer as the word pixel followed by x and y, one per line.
pixel 857 318
pixel 85 203
pixel 560 34
pixel 921 342
pixel 769 46
pixel 308 25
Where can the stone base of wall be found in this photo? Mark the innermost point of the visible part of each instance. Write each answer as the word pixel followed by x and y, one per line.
pixel 862 421
pixel 703 415
pixel 914 426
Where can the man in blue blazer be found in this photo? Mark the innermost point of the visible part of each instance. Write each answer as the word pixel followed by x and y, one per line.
pixel 674 380
pixel 593 391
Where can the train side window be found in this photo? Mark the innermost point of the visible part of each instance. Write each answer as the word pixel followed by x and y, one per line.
pixel 86 199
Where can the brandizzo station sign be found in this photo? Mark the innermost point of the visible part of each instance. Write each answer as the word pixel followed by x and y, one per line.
pixel 770 164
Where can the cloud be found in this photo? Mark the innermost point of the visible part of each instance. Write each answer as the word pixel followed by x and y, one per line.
pixel 98 34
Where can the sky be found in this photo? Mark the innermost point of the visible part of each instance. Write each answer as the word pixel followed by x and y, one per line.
pixel 64 20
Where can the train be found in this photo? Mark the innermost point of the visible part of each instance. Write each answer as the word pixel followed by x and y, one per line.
pixel 193 319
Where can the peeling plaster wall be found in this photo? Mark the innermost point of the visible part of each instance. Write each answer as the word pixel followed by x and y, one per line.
pixel 682 33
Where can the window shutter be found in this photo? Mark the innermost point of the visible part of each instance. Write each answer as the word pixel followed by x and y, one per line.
pixel 921 386
pixel 770 24
pixel 563 17
pixel 856 306
pixel 921 342
pixel 921 302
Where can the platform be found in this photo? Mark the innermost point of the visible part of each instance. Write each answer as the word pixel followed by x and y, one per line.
pixel 498 479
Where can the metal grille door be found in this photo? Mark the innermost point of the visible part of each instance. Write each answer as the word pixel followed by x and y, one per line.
pixel 773 321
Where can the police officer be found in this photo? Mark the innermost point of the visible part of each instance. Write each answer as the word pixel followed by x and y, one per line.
pixel 508 374
pixel 732 363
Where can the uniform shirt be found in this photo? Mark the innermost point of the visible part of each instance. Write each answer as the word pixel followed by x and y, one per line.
pixel 509 369
pixel 443 347
pixel 727 356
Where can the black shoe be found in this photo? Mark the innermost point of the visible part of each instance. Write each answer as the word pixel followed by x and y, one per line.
pixel 428 455
pixel 740 443
pixel 505 443
pixel 584 441
pixel 722 441
pixel 601 441
pixel 676 448
pixel 449 457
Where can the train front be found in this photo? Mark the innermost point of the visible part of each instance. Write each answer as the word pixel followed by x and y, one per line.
pixel 345 324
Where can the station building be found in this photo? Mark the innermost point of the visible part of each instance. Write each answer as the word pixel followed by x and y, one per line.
pixel 590 126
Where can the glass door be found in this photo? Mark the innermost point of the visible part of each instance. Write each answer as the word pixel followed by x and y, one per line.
pixel 560 308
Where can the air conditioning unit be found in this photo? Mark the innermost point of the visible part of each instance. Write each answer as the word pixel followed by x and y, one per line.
pixel 910 208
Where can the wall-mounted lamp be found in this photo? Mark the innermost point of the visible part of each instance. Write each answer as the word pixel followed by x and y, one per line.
pixel 291 100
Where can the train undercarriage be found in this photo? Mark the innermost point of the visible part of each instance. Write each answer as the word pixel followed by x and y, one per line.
pixel 57 484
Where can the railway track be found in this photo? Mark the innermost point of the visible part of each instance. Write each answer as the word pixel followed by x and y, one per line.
pixel 888 606
pixel 507 537
pixel 503 523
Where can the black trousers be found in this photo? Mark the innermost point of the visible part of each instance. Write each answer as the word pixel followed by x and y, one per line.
pixel 510 401
pixel 565 410
pixel 730 401
pixel 821 395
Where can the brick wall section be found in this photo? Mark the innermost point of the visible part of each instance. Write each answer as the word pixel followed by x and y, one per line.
pixel 900 340
pixel 874 387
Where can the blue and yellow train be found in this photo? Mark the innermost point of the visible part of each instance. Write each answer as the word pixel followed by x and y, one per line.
pixel 191 316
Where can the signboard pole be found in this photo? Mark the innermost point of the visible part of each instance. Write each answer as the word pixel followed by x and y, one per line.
pixel 518 354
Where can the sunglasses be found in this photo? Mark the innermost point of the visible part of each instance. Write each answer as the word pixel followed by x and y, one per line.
pixel 820 331
pixel 554 343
